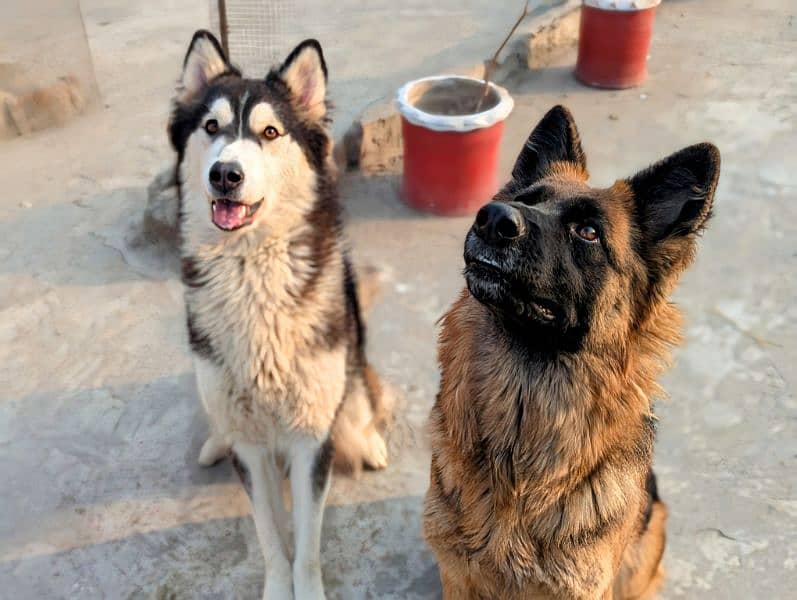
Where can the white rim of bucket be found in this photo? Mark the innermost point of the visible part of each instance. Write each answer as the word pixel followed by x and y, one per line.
pixel 470 122
pixel 623 5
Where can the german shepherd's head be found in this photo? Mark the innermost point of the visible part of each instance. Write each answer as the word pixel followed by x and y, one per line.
pixel 566 266
pixel 252 153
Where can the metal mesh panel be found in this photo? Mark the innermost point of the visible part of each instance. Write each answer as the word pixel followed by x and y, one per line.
pixel 260 33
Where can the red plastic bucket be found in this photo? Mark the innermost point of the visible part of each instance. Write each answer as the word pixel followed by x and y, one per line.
pixel 614 41
pixel 450 160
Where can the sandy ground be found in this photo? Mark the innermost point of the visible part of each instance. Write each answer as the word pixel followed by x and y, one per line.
pixel 99 422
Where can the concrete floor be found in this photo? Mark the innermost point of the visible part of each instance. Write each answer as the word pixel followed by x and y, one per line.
pixel 99 422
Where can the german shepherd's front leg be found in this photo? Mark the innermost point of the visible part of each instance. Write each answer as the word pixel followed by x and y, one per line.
pixel 310 469
pixel 278 569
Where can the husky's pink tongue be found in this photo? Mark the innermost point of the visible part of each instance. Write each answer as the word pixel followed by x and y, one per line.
pixel 228 214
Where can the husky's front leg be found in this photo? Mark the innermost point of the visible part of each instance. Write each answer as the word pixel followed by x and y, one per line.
pixel 210 382
pixel 278 569
pixel 310 469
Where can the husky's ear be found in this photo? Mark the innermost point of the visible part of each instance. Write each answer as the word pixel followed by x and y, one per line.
pixel 305 74
pixel 674 196
pixel 555 139
pixel 204 61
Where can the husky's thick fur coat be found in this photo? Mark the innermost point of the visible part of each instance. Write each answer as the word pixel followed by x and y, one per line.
pixel 273 315
pixel 542 433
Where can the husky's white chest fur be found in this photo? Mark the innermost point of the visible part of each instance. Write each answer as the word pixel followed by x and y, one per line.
pixel 264 344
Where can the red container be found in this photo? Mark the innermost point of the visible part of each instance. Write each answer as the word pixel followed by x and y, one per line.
pixel 613 43
pixel 450 161
pixel 448 172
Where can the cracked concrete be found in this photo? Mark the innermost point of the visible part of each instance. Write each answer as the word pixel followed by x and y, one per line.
pixel 99 423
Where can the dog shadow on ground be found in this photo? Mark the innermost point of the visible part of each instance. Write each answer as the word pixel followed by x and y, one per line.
pixel 369 550
pixel 83 239
pixel 104 498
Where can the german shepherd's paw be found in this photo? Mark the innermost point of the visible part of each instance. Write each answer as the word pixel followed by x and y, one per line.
pixel 374 450
pixel 213 450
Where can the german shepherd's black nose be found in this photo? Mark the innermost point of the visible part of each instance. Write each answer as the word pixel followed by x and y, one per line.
pixel 225 176
pixel 498 223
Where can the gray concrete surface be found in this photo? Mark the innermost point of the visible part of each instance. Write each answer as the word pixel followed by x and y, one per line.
pixel 99 423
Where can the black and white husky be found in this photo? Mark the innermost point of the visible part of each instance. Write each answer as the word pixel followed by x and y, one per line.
pixel 273 315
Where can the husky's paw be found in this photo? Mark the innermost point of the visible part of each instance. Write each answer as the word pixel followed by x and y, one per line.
pixel 374 450
pixel 307 583
pixel 278 588
pixel 213 450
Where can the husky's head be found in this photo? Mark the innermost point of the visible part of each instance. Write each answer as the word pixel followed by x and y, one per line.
pixel 251 152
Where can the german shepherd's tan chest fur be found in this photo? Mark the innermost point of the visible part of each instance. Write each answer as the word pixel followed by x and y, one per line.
pixel 525 487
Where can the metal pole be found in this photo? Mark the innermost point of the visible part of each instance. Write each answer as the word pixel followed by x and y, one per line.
pixel 223 27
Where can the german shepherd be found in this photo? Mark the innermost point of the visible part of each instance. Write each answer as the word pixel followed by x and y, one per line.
pixel 273 314
pixel 542 432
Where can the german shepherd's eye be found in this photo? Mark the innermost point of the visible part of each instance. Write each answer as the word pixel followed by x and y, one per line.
pixel 212 126
pixel 271 133
pixel 585 232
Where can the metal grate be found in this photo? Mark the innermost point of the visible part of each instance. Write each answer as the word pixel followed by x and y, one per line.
pixel 260 33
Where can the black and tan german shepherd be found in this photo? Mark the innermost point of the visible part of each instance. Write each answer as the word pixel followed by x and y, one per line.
pixel 543 429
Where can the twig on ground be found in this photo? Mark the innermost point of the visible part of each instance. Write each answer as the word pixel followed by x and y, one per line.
pixel 719 532
pixel 762 342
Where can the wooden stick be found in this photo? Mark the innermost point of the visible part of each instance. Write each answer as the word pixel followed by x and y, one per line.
pixel 493 62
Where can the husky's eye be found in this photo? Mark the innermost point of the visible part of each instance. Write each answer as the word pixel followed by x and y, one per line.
pixel 586 232
pixel 271 133
pixel 211 126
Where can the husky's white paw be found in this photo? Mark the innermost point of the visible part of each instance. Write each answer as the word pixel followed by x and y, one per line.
pixel 213 450
pixel 307 583
pixel 278 588
pixel 375 450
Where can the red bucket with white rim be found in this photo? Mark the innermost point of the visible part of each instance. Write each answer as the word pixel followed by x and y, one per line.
pixel 450 149
pixel 613 42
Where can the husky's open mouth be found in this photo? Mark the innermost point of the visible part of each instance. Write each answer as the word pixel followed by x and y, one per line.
pixel 229 215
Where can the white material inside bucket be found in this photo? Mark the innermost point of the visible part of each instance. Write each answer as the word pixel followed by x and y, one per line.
pixel 622 5
pixel 448 103
pixel 451 97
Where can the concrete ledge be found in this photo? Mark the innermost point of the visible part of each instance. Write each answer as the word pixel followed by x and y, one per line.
pixel 542 37
pixel 372 142
pixel 41 107
pixel 550 39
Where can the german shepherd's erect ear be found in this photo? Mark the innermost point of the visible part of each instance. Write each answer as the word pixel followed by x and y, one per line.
pixel 204 61
pixel 554 140
pixel 673 201
pixel 305 74
pixel 674 196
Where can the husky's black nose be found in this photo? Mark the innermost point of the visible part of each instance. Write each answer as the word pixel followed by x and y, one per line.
pixel 225 176
pixel 499 223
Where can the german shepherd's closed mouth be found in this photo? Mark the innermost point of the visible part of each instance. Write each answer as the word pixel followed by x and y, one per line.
pixel 542 432
pixel 273 312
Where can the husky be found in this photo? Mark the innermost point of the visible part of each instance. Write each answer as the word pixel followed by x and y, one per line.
pixel 273 317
